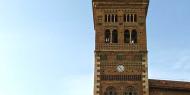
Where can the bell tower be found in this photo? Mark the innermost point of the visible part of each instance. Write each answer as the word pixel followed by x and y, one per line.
pixel 121 66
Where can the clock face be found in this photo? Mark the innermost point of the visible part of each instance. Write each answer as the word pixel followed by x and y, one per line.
pixel 120 68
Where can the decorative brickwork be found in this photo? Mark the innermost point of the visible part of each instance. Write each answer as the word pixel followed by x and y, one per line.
pixel 121 57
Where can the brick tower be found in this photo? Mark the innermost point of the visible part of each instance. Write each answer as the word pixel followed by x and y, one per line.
pixel 121 66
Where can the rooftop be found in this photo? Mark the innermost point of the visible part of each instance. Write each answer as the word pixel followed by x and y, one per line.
pixel 169 84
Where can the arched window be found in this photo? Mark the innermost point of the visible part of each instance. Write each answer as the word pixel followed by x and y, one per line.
pixel 126 36
pixel 134 36
pixel 131 17
pixel 116 18
pixel 128 18
pixel 114 36
pixel 112 18
pixel 124 17
pixel 110 91
pixel 106 18
pixel 135 17
pixel 109 18
pixel 107 36
pixel 130 91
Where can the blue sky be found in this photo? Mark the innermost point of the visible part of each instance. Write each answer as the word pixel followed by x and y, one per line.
pixel 47 46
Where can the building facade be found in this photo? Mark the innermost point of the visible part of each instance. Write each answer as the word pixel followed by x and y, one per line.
pixel 121 66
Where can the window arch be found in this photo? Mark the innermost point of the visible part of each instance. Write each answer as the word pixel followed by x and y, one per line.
pixel 107 36
pixel 131 17
pixel 124 17
pixel 110 91
pixel 112 18
pixel 106 18
pixel 109 18
pixel 126 36
pixel 130 91
pixel 135 17
pixel 134 36
pixel 116 18
pixel 114 36
pixel 128 18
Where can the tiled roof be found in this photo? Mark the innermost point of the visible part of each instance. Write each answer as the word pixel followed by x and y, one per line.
pixel 169 84
pixel 120 0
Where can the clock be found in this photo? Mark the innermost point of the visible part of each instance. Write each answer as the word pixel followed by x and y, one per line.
pixel 120 68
